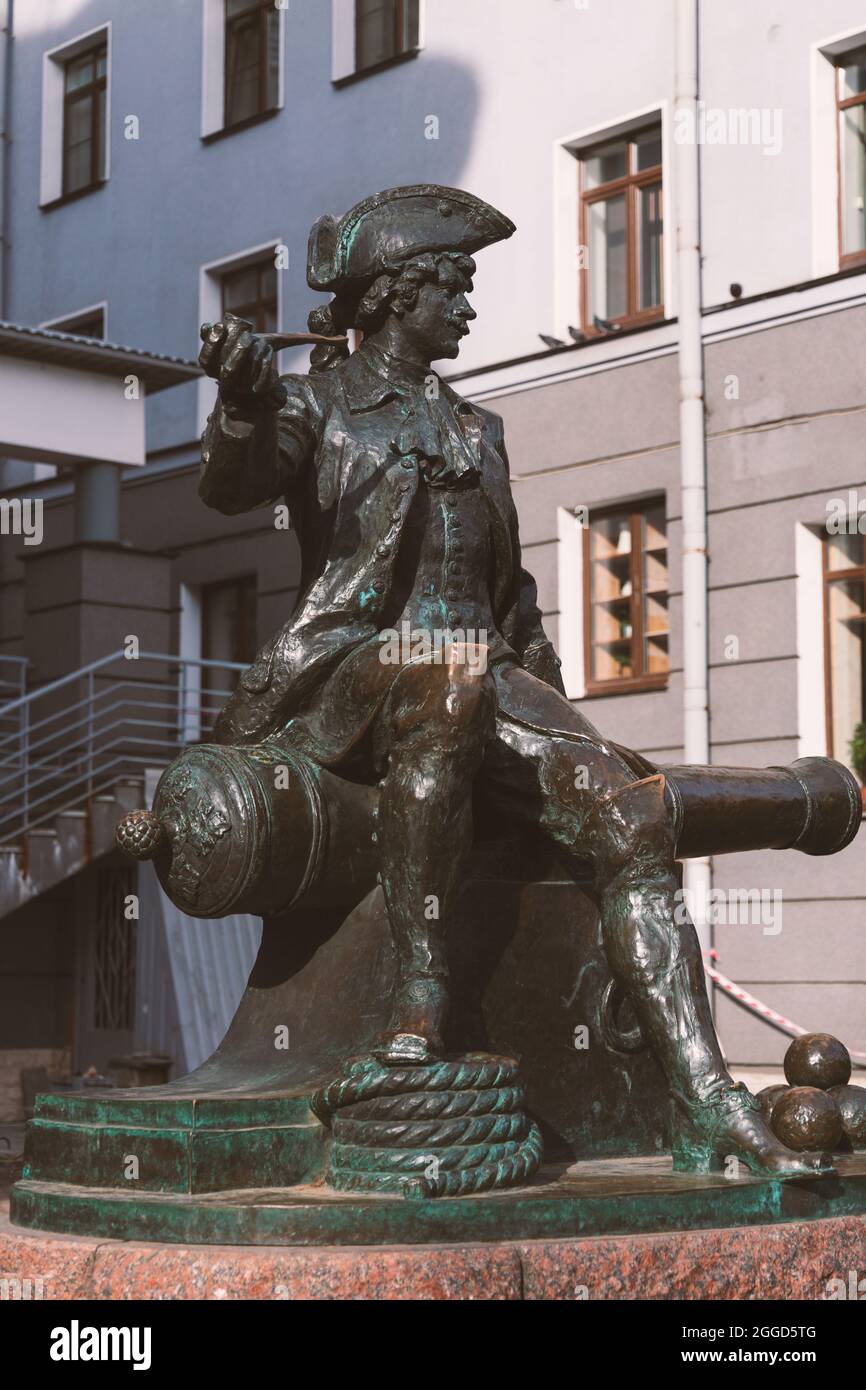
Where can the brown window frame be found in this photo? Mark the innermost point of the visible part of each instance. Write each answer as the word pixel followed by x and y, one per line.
pixel 641 679
pixel 406 15
pixel 262 10
pixel 253 309
pixel 830 576
pixel 630 185
pixel 97 125
pixel 847 259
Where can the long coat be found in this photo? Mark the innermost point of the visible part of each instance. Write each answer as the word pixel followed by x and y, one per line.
pixel 344 451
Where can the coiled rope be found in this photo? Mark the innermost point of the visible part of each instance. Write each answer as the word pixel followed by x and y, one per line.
pixel 445 1129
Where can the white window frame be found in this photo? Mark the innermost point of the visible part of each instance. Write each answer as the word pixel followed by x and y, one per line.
pixel 210 306
pixel 213 64
pixel 53 90
pixel 569 566
pixel 811 679
pixel 567 150
pixel 343 37
pixel 59 324
pixel 825 56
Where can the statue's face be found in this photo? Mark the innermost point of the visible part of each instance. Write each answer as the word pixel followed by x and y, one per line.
pixel 441 314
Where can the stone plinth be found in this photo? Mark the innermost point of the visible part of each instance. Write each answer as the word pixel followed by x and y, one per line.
pixel 796 1260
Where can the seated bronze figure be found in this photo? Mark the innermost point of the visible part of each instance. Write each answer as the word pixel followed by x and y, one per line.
pixel 399 497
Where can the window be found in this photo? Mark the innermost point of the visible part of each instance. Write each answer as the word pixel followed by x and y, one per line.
pixel 228 633
pixel 90 323
pixel 851 125
pixel 84 119
pixel 252 59
pixel 621 229
pixel 251 293
pixel 384 29
pixel 844 639
pixel 626 599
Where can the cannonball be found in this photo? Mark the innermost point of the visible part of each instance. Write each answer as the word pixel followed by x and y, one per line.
pixel 768 1097
pixel 851 1104
pixel 806 1118
pixel 817 1059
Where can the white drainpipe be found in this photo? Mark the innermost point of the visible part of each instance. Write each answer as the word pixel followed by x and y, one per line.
pixel 693 462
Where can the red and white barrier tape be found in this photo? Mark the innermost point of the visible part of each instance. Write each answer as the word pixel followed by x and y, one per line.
pixel 758 1007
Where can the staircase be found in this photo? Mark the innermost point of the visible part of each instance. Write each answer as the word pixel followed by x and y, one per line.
pixel 76 754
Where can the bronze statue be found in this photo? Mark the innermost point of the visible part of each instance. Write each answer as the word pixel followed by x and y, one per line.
pixel 399 496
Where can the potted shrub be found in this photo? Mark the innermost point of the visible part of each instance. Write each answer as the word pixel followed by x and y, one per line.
pixel 857 748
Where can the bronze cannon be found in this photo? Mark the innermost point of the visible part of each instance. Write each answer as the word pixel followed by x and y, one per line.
pixel 260 829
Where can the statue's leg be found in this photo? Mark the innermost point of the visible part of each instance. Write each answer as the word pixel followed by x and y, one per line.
pixel 587 800
pixel 438 720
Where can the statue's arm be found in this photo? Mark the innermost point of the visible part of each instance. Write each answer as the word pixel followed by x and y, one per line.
pixel 252 455
pixel 262 429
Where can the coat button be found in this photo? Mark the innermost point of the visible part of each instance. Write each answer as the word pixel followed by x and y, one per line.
pixel 383 550
pixel 379 586
pixel 453 617
pixel 397 516
pixel 407 463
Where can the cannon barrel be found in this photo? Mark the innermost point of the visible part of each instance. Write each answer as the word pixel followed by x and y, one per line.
pixel 260 829
pixel 814 806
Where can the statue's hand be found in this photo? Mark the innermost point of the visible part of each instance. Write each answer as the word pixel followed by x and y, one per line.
pixel 242 363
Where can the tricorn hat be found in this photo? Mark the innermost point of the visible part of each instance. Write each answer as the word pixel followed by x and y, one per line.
pixel 396 225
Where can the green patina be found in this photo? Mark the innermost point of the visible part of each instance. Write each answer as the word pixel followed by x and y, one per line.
pixel 623 1197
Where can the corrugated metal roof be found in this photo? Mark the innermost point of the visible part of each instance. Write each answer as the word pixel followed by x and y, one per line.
pixel 157 370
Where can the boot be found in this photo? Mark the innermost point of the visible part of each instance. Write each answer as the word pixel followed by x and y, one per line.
pixel 414 1034
pixel 656 957
pixel 707 1134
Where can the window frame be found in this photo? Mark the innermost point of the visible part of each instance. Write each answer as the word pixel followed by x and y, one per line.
pixel 641 680
pixel 242 311
pixel 263 10
pixel 53 106
pixel 210 302
pixel 829 576
pixel 67 323
pixel 98 140
pixel 847 259
pixel 630 185
pixel 402 30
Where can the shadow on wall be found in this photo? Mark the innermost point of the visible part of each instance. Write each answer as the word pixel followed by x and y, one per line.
pixel 409 124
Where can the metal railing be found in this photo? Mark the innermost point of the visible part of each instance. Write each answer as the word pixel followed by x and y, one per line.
pixel 75 738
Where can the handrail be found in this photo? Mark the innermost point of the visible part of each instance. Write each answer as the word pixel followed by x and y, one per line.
pixel 59 760
pixel 169 658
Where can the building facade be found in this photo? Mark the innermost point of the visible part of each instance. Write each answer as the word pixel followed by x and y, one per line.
pixel 164 161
